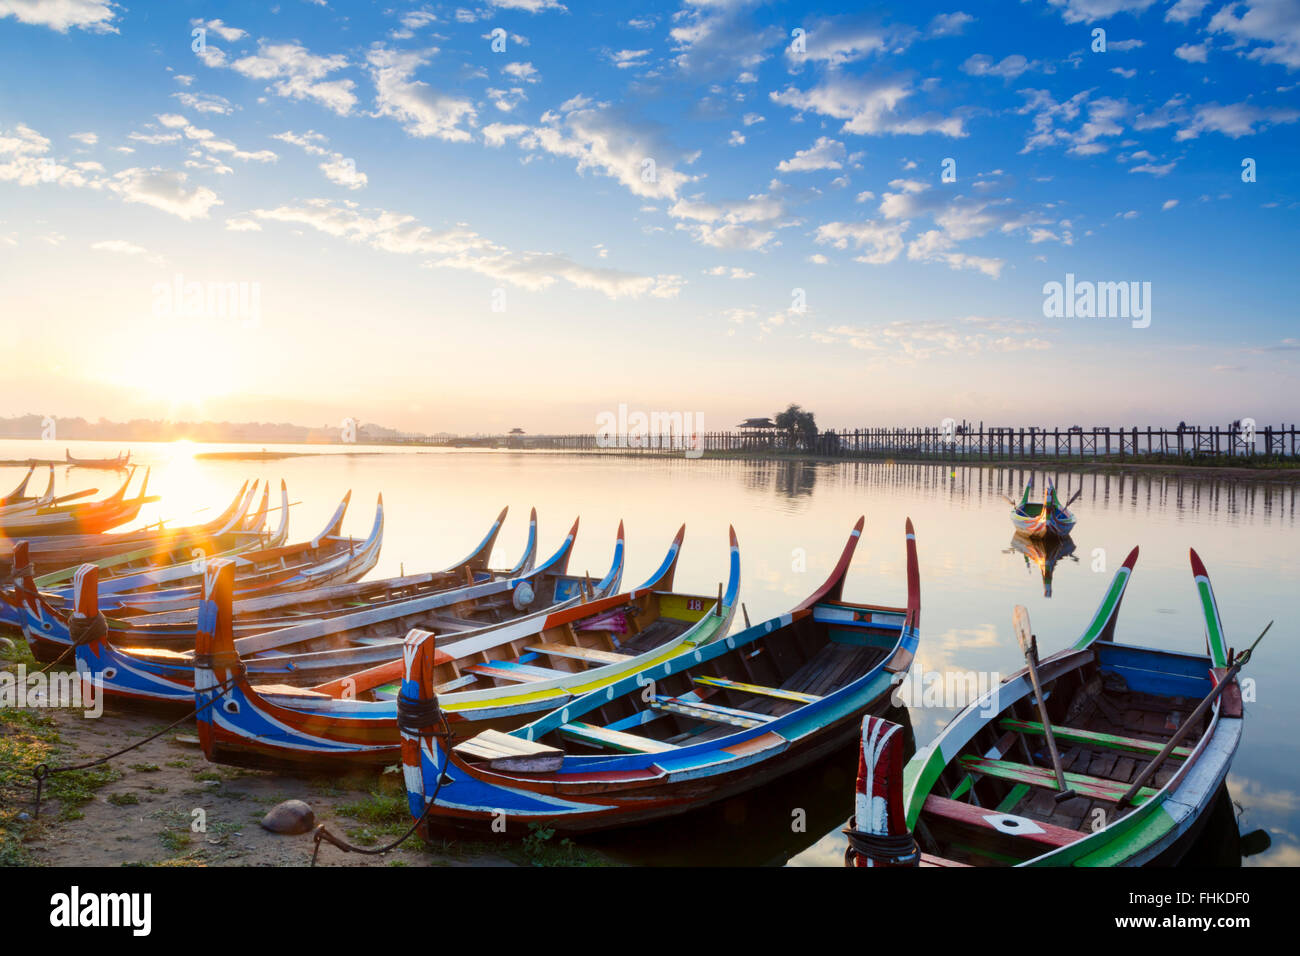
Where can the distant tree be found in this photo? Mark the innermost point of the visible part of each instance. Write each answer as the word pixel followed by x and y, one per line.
pixel 799 427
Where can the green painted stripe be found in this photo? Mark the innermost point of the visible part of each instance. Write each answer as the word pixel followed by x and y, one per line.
pixel 1213 627
pixel 1107 609
pixel 1093 738
pixel 1015 796
pixel 1095 787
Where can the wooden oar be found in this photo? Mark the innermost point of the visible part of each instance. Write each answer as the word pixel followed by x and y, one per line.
pixel 1011 501
pixel 1029 644
pixel 1074 498
pixel 1192 720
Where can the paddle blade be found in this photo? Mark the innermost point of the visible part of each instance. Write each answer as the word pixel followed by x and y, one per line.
pixel 1020 624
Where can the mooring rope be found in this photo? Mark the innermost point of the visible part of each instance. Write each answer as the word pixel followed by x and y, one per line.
pixel 43 770
pixel 412 707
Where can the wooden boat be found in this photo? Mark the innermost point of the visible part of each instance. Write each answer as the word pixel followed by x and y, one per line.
pixel 20 503
pixel 494 676
pixel 77 517
pixel 48 553
pixel 1043 553
pixel 19 494
pixel 178 630
pixel 337 646
pixel 707 724
pixel 328 558
pixel 986 793
pixel 240 532
pixel 120 463
pixel 1037 520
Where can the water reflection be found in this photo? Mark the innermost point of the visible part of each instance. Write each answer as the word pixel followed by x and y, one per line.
pixel 767 826
pixel 1043 553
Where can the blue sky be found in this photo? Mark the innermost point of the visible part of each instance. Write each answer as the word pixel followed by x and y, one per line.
pixel 712 207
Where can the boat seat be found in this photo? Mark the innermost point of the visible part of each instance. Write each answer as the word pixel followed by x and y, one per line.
pixel 510 670
pixel 390 691
pixel 1092 738
pixel 756 689
pixel 714 713
pixel 1098 788
pixel 999 827
pixel 288 690
pixel 591 655
pixel 506 752
pixel 614 739
pixel 444 623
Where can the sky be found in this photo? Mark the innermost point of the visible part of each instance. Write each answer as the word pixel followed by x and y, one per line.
pixel 526 213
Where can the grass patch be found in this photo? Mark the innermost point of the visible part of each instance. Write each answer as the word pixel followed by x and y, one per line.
pixel 29 738
pixel 124 799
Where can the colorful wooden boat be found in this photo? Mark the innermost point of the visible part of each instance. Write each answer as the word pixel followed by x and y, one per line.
pixel 19 503
pixel 19 494
pixel 1043 553
pixel 49 553
pixel 239 532
pixel 985 793
pixel 313 652
pixel 177 630
pixel 493 677
pixel 326 559
pixel 707 724
pixel 1037 520
pixel 77 517
pixel 119 463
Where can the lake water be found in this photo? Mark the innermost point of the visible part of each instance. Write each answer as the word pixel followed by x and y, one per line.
pixel 792 519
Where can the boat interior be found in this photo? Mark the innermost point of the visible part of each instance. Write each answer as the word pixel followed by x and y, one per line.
pixel 1110 715
pixel 821 651
pixel 613 635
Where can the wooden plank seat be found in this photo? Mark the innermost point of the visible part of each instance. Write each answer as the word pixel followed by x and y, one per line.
pixel 1097 788
pixel 590 655
pixel 520 673
pixel 1092 738
pixel 443 623
pixel 614 739
pixel 390 691
pixel 997 828
pixel 714 713
pixel 756 689
pixel 505 752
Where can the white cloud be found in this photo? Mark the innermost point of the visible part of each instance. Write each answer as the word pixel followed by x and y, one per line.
pixel 228 33
pixel 164 189
pixel 529 6
pixel 1235 120
pixel 868 107
pixel 86 139
pixel 627 59
pixel 1168 204
pixel 1008 67
pixel 737 138
pixel 336 167
pixel 826 153
pixel 459 247
pixel 124 248
pixel 423 111
pixel 835 41
pixel 936 246
pixel 949 24
pixel 1184 11
pixel 1192 53
pixel 750 119
pixel 62 15
pixel 882 242
pixel 297 73
pixel 1272 24
pixel 205 103
pixel 602 139
pixel 524 72
pixel 1089 11
pixel 717 38
pixel 242 224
